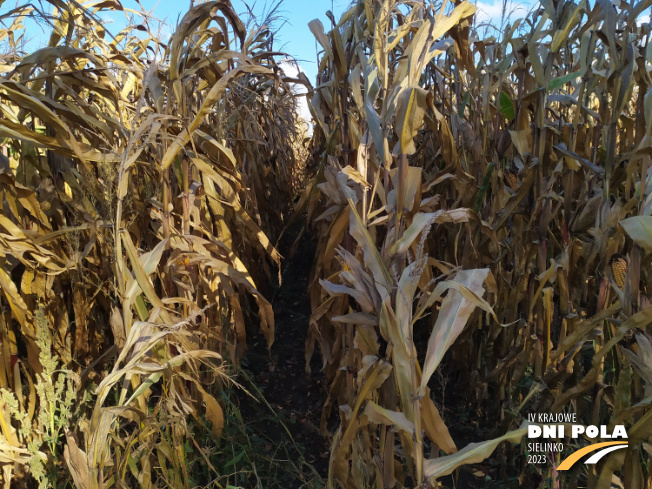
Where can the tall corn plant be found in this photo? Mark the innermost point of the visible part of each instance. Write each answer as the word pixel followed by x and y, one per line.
pixel 567 160
pixel 375 277
pixel 536 142
pixel 128 225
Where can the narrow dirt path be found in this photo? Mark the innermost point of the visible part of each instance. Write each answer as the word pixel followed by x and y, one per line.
pixel 295 398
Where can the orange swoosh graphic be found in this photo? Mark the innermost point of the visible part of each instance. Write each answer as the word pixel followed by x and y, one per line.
pixel 571 459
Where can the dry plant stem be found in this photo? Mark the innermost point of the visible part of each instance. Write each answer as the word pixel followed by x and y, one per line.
pixel 481 205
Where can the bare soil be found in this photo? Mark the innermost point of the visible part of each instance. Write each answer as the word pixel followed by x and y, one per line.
pixel 295 397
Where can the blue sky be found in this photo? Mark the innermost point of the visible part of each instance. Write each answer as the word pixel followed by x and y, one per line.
pixel 294 36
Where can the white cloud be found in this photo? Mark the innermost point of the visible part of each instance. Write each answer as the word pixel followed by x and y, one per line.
pixel 291 68
pixel 492 12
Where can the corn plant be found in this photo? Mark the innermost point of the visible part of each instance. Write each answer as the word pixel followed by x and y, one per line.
pixel 510 168
pixel 128 222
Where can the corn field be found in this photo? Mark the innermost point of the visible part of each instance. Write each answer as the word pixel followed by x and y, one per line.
pixel 479 201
